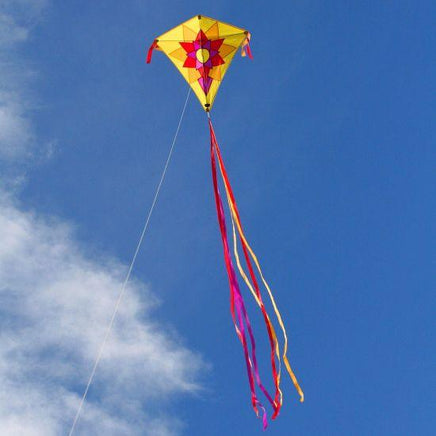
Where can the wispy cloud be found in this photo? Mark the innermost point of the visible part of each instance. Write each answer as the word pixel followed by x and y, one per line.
pixel 56 301
pixel 17 137
pixel 55 305
pixel 15 128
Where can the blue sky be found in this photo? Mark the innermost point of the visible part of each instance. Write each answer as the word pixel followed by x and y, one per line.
pixel 329 140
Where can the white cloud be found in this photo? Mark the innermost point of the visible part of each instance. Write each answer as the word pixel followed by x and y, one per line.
pixel 15 130
pixel 55 304
pixel 11 32
pixel 17 18
pixel 56 301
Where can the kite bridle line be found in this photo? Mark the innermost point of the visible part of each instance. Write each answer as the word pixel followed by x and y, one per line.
pixel 132 263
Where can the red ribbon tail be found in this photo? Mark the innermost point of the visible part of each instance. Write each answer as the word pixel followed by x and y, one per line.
pixel 242 322
pixel 150 51
pixel 248 50
pixel 276 403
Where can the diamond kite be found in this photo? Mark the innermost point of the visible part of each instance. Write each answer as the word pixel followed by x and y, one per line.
pixel 202 49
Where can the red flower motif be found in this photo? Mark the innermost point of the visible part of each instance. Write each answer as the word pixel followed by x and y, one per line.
pixel 203 55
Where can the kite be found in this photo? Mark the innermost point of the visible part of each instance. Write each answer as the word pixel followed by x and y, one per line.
pixel 202 49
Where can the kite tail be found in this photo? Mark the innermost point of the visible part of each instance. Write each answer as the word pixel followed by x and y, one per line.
pixel 236 300
pixel 150 51
pixel 245 48
pixel 276 403
pixel 254 287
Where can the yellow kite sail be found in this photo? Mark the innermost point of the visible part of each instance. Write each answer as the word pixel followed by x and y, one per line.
pixel 202 49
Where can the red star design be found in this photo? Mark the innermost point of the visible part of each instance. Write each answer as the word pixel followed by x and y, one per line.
pixel 203 55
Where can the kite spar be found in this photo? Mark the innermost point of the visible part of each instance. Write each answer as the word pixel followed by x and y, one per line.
pixel 202 49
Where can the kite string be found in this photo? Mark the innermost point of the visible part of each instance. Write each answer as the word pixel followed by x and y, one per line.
pixel 123 287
